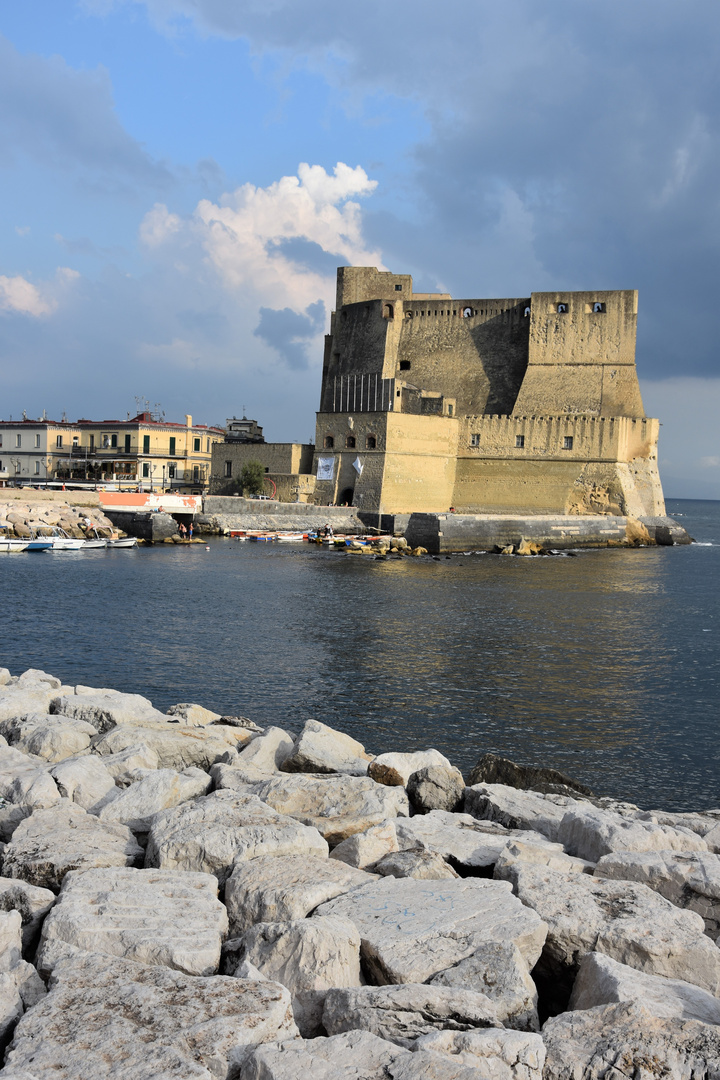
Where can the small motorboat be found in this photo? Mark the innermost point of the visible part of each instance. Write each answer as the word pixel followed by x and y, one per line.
pixel 60 541
pixel 291 538
pixel 38 543
pixel 11 543
pixel 94 542
pixel 126 542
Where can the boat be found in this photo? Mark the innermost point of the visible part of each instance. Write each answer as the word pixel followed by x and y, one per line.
pixel 91 543
pixel 126 542
pixel 292 538
pixel 11 543
pixel 60 541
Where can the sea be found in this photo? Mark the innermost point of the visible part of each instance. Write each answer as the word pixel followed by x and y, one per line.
pixel 603 663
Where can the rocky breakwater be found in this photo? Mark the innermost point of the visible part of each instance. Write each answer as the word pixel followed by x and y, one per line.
pixel 184 894
pixel 24 519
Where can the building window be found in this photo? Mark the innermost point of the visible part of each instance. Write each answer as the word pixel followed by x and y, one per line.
pixel 388 312
pixel 404 365
pixel 474 439
pixel 18 440
pixel 329 442
pixel 171 472
pixel 196 473
pixel 526 312
pixel 76 440
pixel 172 446
pixel 562 309
pixel 398 288
pixel 196 446
pixel 598 308
pixel 146 444
pixel 370 442
pixel 451 410
pixel 350 442
pixel 519 441
pixel 92 442
pixel 467 312
pixel 146 469
pixel 0 444
pixel 208 447
pixel 113 440
pixel 568 442
pixel 127 444
pixel 37 468
pixel 228 468
pixel 58 441
pixel 37 441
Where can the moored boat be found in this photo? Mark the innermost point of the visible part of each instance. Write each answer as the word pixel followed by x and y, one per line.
pixel 126 542
pixel 11 543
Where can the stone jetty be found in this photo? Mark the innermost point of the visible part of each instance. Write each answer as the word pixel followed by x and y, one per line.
pixel 24 518
pixel 187 895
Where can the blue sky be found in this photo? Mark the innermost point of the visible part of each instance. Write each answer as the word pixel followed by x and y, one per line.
pixel 181 177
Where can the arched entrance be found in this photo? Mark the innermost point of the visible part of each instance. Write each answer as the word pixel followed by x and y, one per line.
pixel 346 496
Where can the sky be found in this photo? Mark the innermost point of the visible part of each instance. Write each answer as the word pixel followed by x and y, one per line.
pixel 181 178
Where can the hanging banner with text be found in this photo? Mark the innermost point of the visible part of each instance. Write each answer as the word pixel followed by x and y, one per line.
pixel 326 468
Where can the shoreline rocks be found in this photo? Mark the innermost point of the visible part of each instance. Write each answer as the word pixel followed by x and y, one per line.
pixel 187 894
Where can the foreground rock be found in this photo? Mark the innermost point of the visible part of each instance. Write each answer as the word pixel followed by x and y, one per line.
pixel 590 833
pixel 308 956
pixel 415 863
pixel 105 709
pixel 321 749
pixel 20 985
pixel 626 1040
pixel 411 929
pixel 625 921
pixel 52 738
pixel 33 904
pixel 365 848
pixel 267 751
pixel 51 843
pixel 518 809
pixel 354 1055
pixel 461 839
pixel 403 1013
pixel 160 917
pixel 337 806
pixel 85 781
pixel 113 1018
pixel 269 889
pixel 492 769
pixel 496 1054
pixel 25 781
pixel 138 804
pixel 602 981
pixel 177 747
pixel 499 971
pixel 214 832
pixel 688 880
pixel 396 769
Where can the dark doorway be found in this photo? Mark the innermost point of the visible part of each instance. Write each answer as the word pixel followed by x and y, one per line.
pixel 346 496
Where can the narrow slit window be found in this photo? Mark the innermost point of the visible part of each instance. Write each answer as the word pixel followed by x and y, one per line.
pixel 520 441
pixel 329 442
pixel 568 442
pixel 350 442
pixel 475 439
pixel 370 442
pixel 562 309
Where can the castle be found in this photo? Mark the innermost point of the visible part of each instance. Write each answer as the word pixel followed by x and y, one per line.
pixel 527 405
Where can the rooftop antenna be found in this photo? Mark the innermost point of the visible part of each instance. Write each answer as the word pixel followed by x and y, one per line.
pixel 24 414
pixel 44 415
pixel 158 413
pixel 64 417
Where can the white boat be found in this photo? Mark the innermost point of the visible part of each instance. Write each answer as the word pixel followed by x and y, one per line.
pixel 8 543
pixel 62 542
pixel 128 542
pixel 293 538
pixel 93 542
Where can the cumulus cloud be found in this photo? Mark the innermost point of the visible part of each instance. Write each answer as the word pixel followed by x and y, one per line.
pixel 290 333
pixel 19 296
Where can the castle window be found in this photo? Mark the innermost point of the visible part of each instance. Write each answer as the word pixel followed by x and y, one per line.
pixel 475 439
pixel 519 441
pixel 388 312
pixel 598 308
pixel 467 312
pixel 562 309
pixel 370 442
pixel 329 442
pixel 228 468
pixel 350 442
pixel 398 288
pixel 526 313
pixel 450 410
pixel 408 314
pixel 404 365
pixel 568 442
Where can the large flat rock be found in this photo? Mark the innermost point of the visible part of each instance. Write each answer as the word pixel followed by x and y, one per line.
pixel 603 981
pixel 688 879
pixel 496 1054
pixel 106 709
pixel 517 809
pixel 590 833
pixel 138 804
pixel 412 929
pixel 162 917
pixel 624 920
pixel 626 1040
pixel 396 769
pixel 177 746
pixel 462 839
pixel 117 1019
pixel 402 1014
pixel 214 832
pixel 53 738
pixel 337 806
pixel 271 889
pixel 51 843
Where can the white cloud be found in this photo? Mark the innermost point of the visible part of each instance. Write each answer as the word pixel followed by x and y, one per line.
pixel 20 297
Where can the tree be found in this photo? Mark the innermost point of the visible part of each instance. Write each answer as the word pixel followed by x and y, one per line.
pixel 252 477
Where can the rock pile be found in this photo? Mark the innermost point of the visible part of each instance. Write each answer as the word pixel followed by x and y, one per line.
pixel 25 518
pixel 184 895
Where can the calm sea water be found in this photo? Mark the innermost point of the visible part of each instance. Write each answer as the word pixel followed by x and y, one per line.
pixel 606 665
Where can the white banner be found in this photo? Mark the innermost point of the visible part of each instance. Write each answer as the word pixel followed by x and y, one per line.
pixel 358 466
pixel 326 468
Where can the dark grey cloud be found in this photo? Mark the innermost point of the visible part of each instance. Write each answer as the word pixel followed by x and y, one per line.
pixel 307 253
pixel 65 119
pixel 289 332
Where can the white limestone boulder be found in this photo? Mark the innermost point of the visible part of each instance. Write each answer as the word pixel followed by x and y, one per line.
pixel 242 777
pixel 124 766
pixel 267 751
pixel 337 806
pixel 320 749
pixel 84 781
pixel 621 919
pixel 160 789
pixel 355 1055
pixel 590 833
pixel 461 839
pixel 20 985
pixel 499 971
pixel 396 769
pixel 270 889
pixel 25 780
pixel 111 1018
pixel 516 809
pixel 495 1054
pixel 214 832
pixel 603 981
pixel 309 957
pixel 402 1014
pixel 549 855
pixel 52 738
pixel 51 843
pixel 626 1040
pixel 162 917
pixel 177 747
pixel 37 677
pixel 106 709
pixel 17 701
pixel 412 929
pixel 364 849
pixel 687 879
pixel 416 863
pixel 192 715
pixel 32 902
